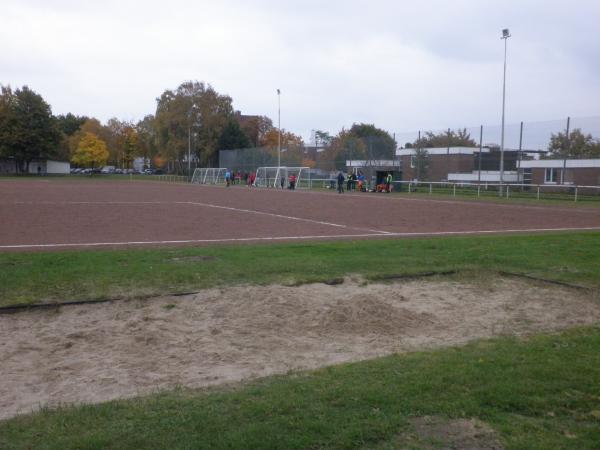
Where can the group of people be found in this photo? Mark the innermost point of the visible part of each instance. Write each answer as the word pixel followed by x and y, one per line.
pixel 249 179
pixel 238 177
pixel 358 182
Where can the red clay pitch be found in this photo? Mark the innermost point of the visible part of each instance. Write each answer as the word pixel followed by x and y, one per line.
pixel 61 214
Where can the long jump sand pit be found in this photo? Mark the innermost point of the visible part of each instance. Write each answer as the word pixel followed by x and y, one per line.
pixel 99 352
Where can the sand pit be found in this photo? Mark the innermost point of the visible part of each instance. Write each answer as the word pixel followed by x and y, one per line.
pixel 93 353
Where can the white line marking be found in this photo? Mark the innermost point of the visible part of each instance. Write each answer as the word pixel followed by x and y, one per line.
pixel 289 238
pixel 319 222
pixel 190 241
pixel 208 205
pixel 482 201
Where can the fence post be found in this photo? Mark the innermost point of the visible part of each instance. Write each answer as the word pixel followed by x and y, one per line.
pixel 478 190
pixel 507 191
pixel 575 193
pixel 430 187
pixel 538 192
pixel 454 190
pixel 409 183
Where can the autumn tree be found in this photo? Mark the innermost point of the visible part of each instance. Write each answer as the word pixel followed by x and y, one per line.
pixel 292 146
pixel 91 151
pixel 577 146
pixel 130 147
pixel 256 129
pixel 92 126
pixel 28 130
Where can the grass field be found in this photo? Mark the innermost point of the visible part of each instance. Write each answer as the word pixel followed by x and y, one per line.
pixel 28 278
pixel 540 391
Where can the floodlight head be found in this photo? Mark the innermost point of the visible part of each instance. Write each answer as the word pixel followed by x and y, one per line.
pixel 505 33
pixel 278 92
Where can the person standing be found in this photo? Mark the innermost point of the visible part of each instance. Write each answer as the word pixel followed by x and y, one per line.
pixel 388 182
pixel 340 182
pixel 227 177
pixel 282 182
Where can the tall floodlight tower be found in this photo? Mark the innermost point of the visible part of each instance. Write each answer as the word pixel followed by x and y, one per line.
pixel 505 36
pixel 279 127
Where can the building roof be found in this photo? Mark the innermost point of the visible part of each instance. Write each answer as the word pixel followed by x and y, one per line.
pixel 372 163
pixel 559 164
pixel 462 151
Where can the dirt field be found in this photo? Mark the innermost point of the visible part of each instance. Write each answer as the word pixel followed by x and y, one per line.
pixel 66 213
pixel 94 353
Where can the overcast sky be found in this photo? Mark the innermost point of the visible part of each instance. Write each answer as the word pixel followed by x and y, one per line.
pixel 401 65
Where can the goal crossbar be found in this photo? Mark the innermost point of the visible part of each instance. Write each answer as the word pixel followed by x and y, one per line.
pixel 209 175
pixel 273 176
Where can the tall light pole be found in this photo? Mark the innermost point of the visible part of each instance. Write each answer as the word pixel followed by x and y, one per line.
pixel 279 128
pixel 189 142
pixel 505 36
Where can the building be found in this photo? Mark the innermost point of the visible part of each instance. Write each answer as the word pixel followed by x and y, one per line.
pixel 48 167
pixel 375 170
pixel 464 164
pixel 41 167
pixel 581 172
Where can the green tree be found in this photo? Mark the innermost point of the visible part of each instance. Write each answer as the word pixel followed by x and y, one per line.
pixel 233 136
pixel 378 143
pixel 577 146
pixel 322 138
pixel 458 138
pixel 28 130
pixel 361 142
pixel 194 109
pixel 69 124
pixel 146 132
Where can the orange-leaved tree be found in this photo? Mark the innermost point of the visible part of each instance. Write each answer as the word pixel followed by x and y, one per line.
pixel 91 151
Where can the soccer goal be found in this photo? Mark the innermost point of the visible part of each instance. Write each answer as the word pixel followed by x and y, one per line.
pixel 273 176
pixel 209 175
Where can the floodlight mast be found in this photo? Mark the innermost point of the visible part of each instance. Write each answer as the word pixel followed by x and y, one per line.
pixel 505 36
pixel 279 128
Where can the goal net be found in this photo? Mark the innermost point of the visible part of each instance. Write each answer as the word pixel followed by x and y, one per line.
pixel 209 175
pixel 273 176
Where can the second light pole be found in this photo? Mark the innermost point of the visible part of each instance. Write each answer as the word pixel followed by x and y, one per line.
pixel 505 36
pixel 279 128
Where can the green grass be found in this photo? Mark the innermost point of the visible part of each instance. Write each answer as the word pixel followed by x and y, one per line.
pixel 27 278
pixel 515 196
pixel 537 393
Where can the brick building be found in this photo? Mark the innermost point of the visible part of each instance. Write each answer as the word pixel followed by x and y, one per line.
pixel 582 172
pixel 461 164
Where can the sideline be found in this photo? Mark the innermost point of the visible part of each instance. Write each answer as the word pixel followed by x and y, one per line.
pixel 292 238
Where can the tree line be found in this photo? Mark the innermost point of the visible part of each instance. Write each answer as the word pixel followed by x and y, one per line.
pixel 192 123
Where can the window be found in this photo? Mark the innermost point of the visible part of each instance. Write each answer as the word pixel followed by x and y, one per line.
pixel 551 175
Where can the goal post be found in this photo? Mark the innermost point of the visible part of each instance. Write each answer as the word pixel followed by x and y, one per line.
pixel 209 175
pixel 273 176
